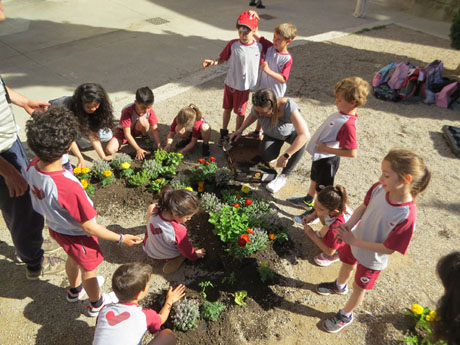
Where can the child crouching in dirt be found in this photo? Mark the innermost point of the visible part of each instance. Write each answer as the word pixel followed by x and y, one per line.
pixel 126 322
pixel 331 209
pixel 166 236
pixel 60 198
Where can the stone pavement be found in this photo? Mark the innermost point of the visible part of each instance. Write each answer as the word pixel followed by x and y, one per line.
pixel 49 47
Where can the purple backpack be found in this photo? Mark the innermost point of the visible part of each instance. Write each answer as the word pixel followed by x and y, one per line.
pixel 399 76
pixel 448 95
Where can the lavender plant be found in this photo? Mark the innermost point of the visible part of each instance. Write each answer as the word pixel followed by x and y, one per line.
pixel 99 168
pixel 211 203
pixel 223 176
pixel 186 314
pixel 119 159
pixel 256 239
pixel 152 167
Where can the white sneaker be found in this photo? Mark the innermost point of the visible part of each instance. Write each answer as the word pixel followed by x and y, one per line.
pixel 277 183
pixel 107 299
pixel 72 298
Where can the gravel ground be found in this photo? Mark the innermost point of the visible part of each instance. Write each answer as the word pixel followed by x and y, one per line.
pixel 37 313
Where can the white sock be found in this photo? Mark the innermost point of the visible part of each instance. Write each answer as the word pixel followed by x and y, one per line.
pixel 340 286
pixel 345 314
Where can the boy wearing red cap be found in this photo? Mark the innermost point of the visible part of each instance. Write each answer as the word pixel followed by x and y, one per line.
pixel 244 56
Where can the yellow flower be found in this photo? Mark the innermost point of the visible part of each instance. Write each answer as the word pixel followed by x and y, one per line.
pixel 429 318
pixel 179 154
pixel 84 183
pixel 432 315
pixel 245 189
pixel 125 165
pixel 189 189
pixel 107 173
pixel 85 170
pixel 159 180
pixel 77 171
pixel 417 309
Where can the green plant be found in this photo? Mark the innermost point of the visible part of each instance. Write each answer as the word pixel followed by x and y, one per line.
pixel 231 279
pixel 186 314
pixel 240 297
pixel 161 155
pixel 211 311
pixel 153 168
pixel 168 171
pixel 265 273
pixel 203 285
pixel 229 224
pixel 120 158
pixel 249 243
pixel 89 188
pixel 140 178
pixel 174 158
pixel 155 185
pixel 99 168
pixel 455 31
pixel 211 203
pixel 424 318
pixel 223 176
pixel 82 173
pixel 205 171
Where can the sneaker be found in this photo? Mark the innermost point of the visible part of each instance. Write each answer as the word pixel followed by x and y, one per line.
pixel 278 183
pixel 298 219
pixel 50 265
pixel 331 288
pixel 173 265
pixel 223 136
pixel 205 150
pixel 259 5
pixel 255 134
pixel 300 201
pixel 107 299
pixel 324 260
pixel 337 323
pixel 252 3
pixel 72 298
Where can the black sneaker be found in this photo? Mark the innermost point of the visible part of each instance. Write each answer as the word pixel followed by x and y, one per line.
pixel 259 5
pixel 298 219
pixel 223 136
pixel 337 323
pixel 252 3
pixel 331 288
pixel 300 201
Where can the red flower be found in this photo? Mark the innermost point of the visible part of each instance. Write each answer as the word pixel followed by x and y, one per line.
pixel 248 202
pixel 207 163
pixel 271 236
pixel 236 205
pixel 250 231
pixel 201 160
pixel 243 240
pixel 212 159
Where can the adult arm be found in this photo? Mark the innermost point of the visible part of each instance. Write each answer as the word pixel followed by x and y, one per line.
pixel 29 105
pixel 302 136
pixel 247 122
pixel 16 183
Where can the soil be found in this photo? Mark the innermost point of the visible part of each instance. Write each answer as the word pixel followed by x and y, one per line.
pixel 286 311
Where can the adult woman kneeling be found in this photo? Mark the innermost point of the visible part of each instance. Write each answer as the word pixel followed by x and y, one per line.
pixel 281 122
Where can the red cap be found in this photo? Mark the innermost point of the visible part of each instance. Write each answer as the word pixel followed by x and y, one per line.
pixel 249 20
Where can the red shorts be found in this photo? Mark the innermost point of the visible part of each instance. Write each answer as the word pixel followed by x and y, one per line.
pixel 364 277
pixel 84 250
pixel 120 135
pixel 236 100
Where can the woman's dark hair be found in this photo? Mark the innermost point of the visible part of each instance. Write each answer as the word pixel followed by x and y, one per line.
pixel 333 198
pixel 130 279
pixel 266 98
pixel 102 117
pixel 50 133
pixel 180 201
pixel 144 95
pixel 448 327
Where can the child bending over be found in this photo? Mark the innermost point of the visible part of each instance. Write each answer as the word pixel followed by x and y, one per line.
pixel 386 224
pixel 190 125
pixel 126 322
pixel 166 236
pixel 60 198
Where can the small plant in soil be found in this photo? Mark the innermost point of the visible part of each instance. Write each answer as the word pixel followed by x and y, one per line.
pixel 140 178
pixel 223 176
pixel 205 171
pixel 265 273
pixel 186 314
pixel 231 279
pixel 89 188
pixel 211 203
pixel 174 158
pixel 211 311
pixel 229 224
pixel 82 173
pixel 168 171
pixel 161 156
pixel 99 169
pixel 155 185
pixel 119 159
pixel 424 319
pixel 152 167
pixel 239 297
pixel 203 285
pixel 249 243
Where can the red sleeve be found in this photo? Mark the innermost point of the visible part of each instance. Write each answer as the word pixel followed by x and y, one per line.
pixel 368 196
pixel 183 244
pixel 265 44
pixel 399 238
pixel 196 129
pixel 153 320
pixel 330 239
pixel 225 54
pixel 286 70
pixel 347 135
pixel 173 125
pixel 73 198
pixel 125 120
pixel 153 120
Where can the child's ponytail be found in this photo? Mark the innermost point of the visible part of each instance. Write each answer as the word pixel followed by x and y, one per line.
pixel 198 113
pixel 180 201
pixel 333 198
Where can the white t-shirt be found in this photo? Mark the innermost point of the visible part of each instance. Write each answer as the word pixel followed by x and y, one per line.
pixel 8 127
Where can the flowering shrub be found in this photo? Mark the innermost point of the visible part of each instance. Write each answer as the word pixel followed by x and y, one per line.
pixel 119 159
pixel 108 178
pixel 211 311
pixel 424 318
pixel 82 173
pixel 125 170
pixel 155 185
pixel 99 169
pixel 229 224
pixel 249 243
pixel 205 171
pixel 186 314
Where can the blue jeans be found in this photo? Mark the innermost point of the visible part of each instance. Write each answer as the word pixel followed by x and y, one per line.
pixel 24 224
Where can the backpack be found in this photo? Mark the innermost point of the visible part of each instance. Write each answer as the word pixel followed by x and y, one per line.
pixel 448 95
pixel 399 75
pixel 433 79
pixel 414 84
pixel 383 75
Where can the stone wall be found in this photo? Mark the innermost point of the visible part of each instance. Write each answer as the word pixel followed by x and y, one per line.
pixel 443 10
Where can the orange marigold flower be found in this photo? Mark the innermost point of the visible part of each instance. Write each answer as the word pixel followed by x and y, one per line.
pixel 84 183
pixel 77 170
pixel 243 240
pixel 201 160
pixel 248 202
pixel 236 205
pixel 107 173
pixel 250 231
pixel 271 236
pixel 207 163
pixel 159 180
pixel 212 159
pixel 85 170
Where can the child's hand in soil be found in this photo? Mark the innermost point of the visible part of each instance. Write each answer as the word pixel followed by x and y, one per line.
pixel 131 240
pixel 200 253
pixel 140 154
pixel 175 294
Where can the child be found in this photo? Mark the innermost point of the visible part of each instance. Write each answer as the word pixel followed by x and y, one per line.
pixel 60 198
pixel 244 56
pixel 191 126
pixel 448 327
pixel 331 209
pixel 386 224
pixel 126 322
pixel 136 119
pixel 335 138
pixel 165 235
pixel 277 64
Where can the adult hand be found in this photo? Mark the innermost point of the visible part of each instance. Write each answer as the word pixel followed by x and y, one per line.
pixel 16 183
pixel 200 253
pixel 282 162
pixel 235 136
pixel 175 294
pixel 81 163
pixel 140 153
pixel 33 105
pixel 131 240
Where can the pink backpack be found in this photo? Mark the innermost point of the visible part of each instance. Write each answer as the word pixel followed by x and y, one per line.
pixel 399 75
pixel 448 95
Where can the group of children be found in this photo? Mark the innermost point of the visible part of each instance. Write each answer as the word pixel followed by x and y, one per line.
pixel 365 238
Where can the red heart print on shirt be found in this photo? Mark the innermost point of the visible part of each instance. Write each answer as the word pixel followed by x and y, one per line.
pixel 113 319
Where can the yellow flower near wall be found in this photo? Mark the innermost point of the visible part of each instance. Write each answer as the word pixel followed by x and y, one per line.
pixel 417 309
pixel 432 316
pixel 107 173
